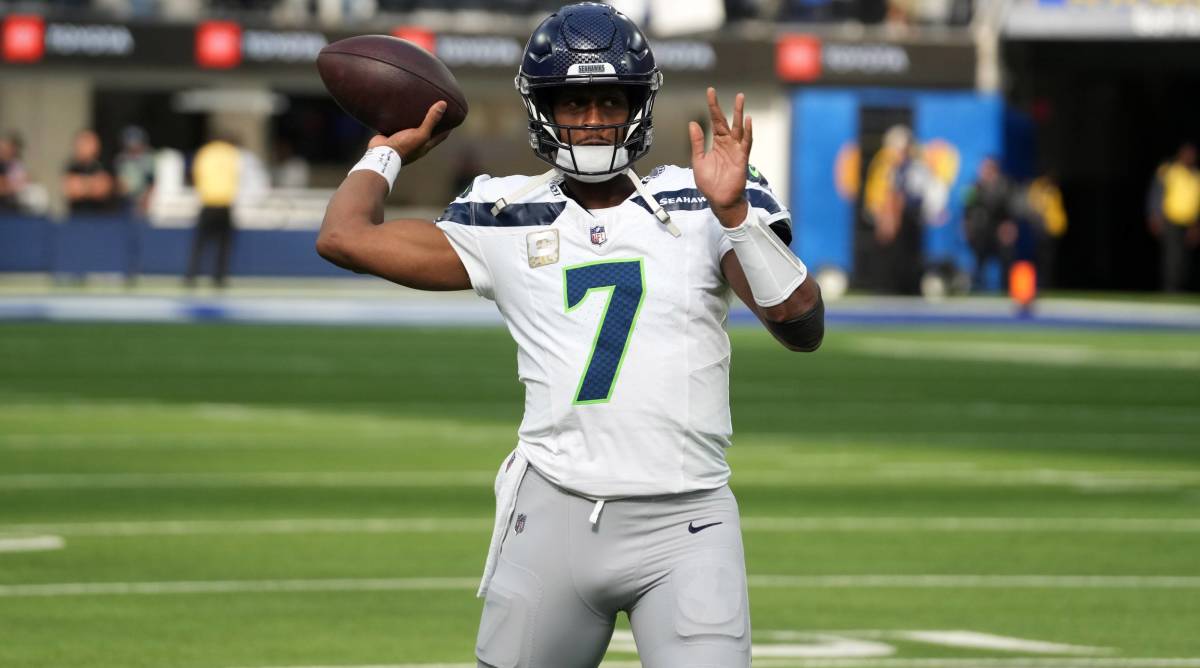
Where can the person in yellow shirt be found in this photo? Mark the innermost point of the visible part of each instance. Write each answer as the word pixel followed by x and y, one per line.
pixel 1174 216
pixel 1048 217
pixel 216 172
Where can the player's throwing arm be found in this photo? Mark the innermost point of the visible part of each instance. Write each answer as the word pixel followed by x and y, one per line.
pixel 762 270
pixel 406 251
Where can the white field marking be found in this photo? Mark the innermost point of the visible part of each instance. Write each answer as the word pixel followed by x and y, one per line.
pixel 824 645
pixel 1028 353
pixel 263 479
pixel 1002 524
pixel 254 527
pixel 978 581
pixel 364 439
pixel 891 662
pixel 990 662
pixel 209 440
pixel 1084 480
pixel 1043 474
pixel 988 641
pixel 1087 480
pixel 468 524
pixel 1077 479
pixel 1158 415
pixel 32 544
pixel 461 583
pixel 606 664
pixel 954 638
pixel 236 587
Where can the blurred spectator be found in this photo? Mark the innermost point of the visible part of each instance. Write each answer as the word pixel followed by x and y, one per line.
pixel 901 12
pixel 135 170
pixel 289 170
pixel 87 184
pixel 914 197
pixel 901 195
pixel 216 175
pixel 1048 219
pixel 1173 211
pixel 988 221
pixel 12 172
pixel 135 182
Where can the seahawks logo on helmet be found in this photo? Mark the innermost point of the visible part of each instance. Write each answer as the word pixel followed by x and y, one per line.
pixel 579 45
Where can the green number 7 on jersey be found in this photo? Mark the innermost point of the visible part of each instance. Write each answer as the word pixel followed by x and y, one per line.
pixel 624 281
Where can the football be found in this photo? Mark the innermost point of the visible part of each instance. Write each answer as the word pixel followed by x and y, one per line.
pixel 388 84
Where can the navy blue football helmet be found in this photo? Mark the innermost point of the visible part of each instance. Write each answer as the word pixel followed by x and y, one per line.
pixel 583 44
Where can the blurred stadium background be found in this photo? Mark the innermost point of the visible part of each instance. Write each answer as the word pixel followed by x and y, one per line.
pixel 295 469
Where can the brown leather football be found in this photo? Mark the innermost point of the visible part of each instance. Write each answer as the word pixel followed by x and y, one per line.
pixel 388 84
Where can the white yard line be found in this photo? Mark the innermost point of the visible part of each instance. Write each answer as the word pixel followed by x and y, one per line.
pixel 989 641
pixel 481 478
pixel 32 544
pixel 470 583
pixel 252 527
pixel 235 587
pixel 1000 524
pixel 265 479
pixel 988 662
pixel 1047 476
pixel 978 581
pixel 1028 353
pixel 381 436
pixel 370 525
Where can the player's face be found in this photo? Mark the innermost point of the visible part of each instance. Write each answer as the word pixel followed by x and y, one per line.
pixel 590 106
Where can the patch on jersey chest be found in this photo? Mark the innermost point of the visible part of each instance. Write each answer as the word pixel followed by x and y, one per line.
pixel 543 247
pixel 599 236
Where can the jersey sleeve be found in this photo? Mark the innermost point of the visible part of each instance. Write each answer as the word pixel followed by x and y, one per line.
pixel 458 224
pixel 768 207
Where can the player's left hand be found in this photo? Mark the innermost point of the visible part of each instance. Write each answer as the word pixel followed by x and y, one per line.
pixel 721 171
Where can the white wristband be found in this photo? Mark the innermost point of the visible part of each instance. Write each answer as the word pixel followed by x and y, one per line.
pixel 771 269
pixel 383 160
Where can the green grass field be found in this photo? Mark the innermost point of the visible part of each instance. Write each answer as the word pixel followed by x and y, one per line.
pixel 251 496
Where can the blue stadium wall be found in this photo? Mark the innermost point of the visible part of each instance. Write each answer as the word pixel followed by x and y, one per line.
pixel 116 244
pixel 826 120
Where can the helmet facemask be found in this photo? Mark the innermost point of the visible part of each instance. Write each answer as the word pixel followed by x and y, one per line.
pixel 554 143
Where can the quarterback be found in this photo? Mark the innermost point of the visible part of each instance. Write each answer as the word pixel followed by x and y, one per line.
pixel 616 289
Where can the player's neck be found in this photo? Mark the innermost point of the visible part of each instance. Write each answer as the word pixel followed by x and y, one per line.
pixel 599 195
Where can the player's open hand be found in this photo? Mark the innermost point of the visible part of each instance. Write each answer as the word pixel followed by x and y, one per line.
pixel 721 172
pixel 413 143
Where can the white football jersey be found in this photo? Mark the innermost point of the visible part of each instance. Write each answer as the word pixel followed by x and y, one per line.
pixel 620 328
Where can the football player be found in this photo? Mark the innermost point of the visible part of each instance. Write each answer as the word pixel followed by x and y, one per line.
pixel 616 289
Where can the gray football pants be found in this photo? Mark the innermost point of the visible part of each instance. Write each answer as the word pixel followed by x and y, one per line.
pixel 673 563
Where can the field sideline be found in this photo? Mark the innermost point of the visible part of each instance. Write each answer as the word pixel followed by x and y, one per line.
pixel 246 496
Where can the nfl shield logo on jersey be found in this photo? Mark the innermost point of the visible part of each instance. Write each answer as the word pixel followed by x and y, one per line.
pixel 598 235
pixel 520 525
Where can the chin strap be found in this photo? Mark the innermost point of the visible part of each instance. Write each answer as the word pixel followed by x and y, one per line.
pixel 530 186
pixel 655 208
